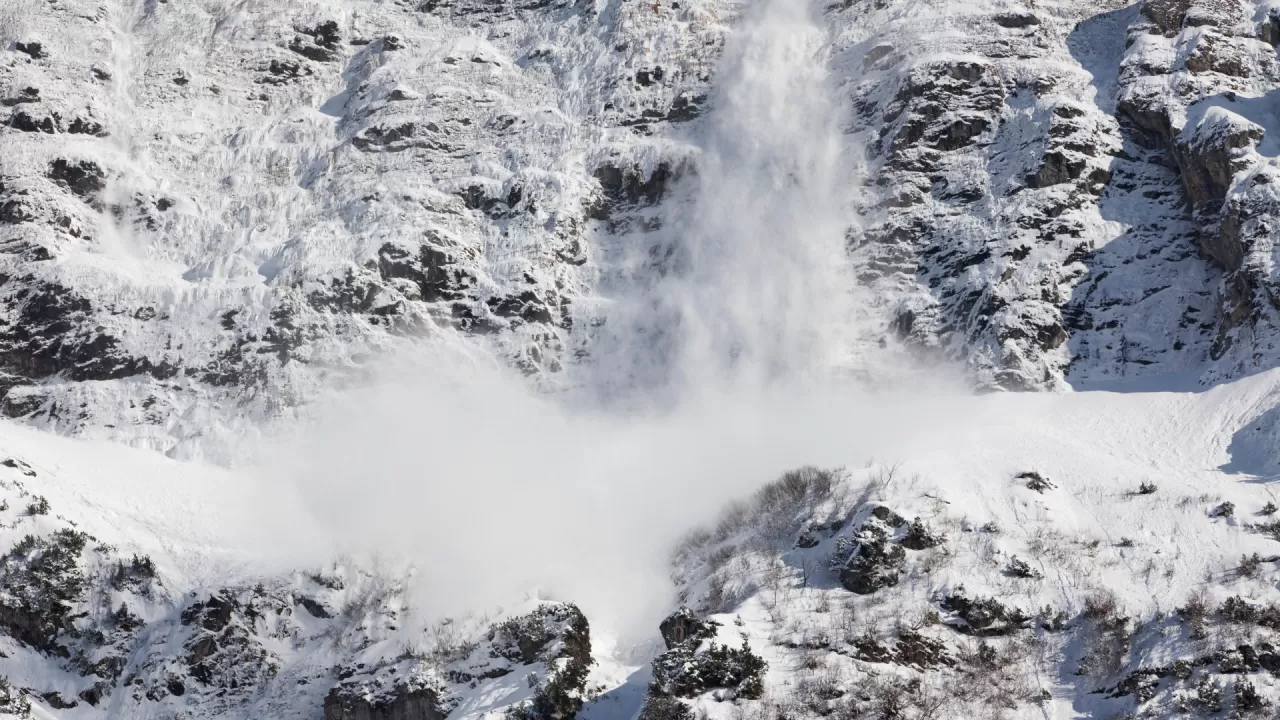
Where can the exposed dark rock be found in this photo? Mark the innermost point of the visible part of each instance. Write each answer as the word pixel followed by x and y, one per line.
pixel 876 562
pixel 398 138
pixel 82 177
pixel 686 107
pixel 213 614
pixel 32 48
pixel 436 270
pixel 526 306
pixel 629 188
pixel 82 126
pixel 1269 28
pixel 983 617
pixel 1215 53
pixel 94 695
pixel 280 72
pixel 55 334
pixel 313 607
pixel 20 466
pixel 959 133
pixel 1211 157
pixel 886 515
pixel 320 43
pixel 806 540
pixel 25 120
pixel 1166 14
pixel 26 95
pixel 649 76
pixel 1016 19
pixel 419 704
pixel 1056 168
pixel 683 625
pixel 57 702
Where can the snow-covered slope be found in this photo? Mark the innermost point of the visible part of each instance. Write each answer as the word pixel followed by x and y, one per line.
pixel 214 211
pixel 214 214
pixel 136 586
pixel 1048 505
pixel 1116 561
pixel 272 192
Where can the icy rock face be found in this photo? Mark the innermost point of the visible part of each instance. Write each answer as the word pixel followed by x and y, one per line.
pixel 986 163
pixel 220 207
pixel 212 212
pixel 554 639
pixel 1193 78
pixel 85 626
pixel 1031 173
pixel 990 614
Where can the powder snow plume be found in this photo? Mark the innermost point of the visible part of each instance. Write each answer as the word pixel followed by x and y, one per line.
pixel 716 369
pixel 751 285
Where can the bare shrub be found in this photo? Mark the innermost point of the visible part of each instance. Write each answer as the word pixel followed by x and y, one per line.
pixel 1248 700
pixel 1105 634
pixel 731 520
pixel 1194 614
pixel 776 504
pixel 1101 605
pixel 693 541
pixel 817 691
pixel 1250 565
pixel 1020 569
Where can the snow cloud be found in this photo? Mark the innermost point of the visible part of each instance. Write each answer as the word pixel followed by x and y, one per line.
pixel 490 490
pixel 712 374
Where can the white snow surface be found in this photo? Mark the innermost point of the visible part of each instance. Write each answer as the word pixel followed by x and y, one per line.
pixel 210 528
pixel 256 196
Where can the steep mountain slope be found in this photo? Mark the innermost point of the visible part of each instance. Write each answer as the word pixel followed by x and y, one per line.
pixel 1110 563
pixel 1110 553
pixel 156 589
pixel 215 211
pixel 214 214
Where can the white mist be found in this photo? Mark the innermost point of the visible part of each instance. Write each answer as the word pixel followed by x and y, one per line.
pixel 490 490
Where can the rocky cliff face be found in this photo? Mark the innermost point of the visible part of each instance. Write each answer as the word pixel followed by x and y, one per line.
pixel 844 607
pixel 85 627
pixel 225 207
pixel 214 212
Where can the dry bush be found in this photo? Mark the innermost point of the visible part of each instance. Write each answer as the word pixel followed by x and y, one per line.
pixel 816 692
pixel 731 520
pixel 1101 605
pixel 693 541
pixel 1194 614
pixel 775 506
